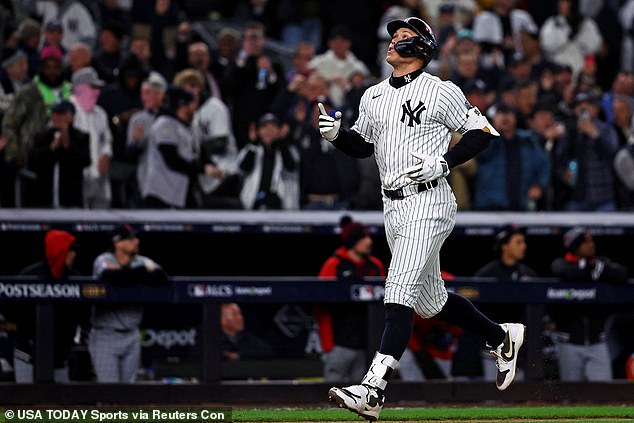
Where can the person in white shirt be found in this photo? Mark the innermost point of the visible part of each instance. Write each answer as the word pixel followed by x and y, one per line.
pixel 488 26
pixel 338 63
pixel 567 37
pixel 91 118
pixel 77 22
pixel 213 133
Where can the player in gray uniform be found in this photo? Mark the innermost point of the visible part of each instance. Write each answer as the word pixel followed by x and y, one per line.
pixel 407 121
pixel 114 341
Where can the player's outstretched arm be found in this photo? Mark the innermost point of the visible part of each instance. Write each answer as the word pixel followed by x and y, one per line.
pixel 350 142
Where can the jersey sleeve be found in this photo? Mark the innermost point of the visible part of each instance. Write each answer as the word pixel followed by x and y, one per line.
pixel 165 133
pixel 452 107
pixel 364 126
pixel 103 262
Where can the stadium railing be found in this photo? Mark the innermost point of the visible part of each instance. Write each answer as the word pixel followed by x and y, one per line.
pixel 210 292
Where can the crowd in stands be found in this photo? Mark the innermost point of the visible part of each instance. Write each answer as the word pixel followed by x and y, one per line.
pixel 555 78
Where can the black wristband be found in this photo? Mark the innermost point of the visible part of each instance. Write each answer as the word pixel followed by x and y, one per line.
pixel 353 144
pixel 472 143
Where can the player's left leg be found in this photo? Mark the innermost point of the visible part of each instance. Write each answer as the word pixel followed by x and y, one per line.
pixel 506 338
pixel 131 357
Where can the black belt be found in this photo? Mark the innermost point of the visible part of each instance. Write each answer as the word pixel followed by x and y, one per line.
pixel 397 194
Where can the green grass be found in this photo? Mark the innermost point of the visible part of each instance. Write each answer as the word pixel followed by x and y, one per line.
pixel 502 413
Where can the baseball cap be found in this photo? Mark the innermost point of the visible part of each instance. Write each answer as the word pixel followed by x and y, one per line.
pixel 28 28
pixel 114 27
pixel 157 81
pixel 504 234
pixel 518 58
pixel 574 237
pixel 339 31
pixel 475 86
pixel 52 52
pixel 587 95
pixel 178 97
pixel 53 25
pixel 63 106
pixel 10 56
pixel 507 83
pixel 123 232
pixel 351 231
pixel 268 118
pixel 504 108
pixel 86 76
pixel 446 8
pixel 543 106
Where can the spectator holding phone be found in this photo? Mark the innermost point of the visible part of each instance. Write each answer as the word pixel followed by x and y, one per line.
pixel 584 159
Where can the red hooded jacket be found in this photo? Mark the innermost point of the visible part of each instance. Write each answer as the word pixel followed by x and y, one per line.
pixel 57 246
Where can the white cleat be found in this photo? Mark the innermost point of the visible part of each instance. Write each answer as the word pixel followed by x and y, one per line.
pixel 506 354
pixel 361 399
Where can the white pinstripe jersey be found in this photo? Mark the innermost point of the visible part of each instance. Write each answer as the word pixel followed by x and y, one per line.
pixel 419 116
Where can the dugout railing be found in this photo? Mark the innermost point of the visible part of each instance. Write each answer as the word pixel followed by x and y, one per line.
pixel 209 292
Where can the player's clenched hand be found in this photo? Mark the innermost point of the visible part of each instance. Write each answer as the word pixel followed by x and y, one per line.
pixel 329 125
pixel 428 169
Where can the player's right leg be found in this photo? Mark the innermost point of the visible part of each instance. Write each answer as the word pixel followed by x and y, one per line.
pixel 367 398
pixel 506 354
pixel 104 352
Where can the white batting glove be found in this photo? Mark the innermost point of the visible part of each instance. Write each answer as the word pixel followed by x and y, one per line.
pixel 329 126
pixel 428 169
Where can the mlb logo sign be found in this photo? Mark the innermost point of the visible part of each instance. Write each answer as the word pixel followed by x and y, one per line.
pixel 366 292
pixel 204 290
pixel 197 290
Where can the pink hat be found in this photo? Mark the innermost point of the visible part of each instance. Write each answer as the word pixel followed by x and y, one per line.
pixel 51 52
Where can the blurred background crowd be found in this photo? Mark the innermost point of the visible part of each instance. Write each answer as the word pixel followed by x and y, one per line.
pixel 212 104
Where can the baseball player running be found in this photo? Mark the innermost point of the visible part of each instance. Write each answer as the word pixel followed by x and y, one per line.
pixel 407 121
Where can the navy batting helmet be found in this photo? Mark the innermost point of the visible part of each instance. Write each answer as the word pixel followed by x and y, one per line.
pixel 424 45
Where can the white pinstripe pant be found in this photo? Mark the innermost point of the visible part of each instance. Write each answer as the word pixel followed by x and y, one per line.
pixel 416 227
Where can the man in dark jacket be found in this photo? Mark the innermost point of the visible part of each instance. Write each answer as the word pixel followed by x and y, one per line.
pixel 61 250
pixel 583 352
pixel 237 343
pixel 121 100
pixel 253 82
pixel 343 327
pixel 510 245
pixel 58 158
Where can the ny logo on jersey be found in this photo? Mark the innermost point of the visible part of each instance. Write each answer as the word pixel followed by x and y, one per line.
pixel 413 114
